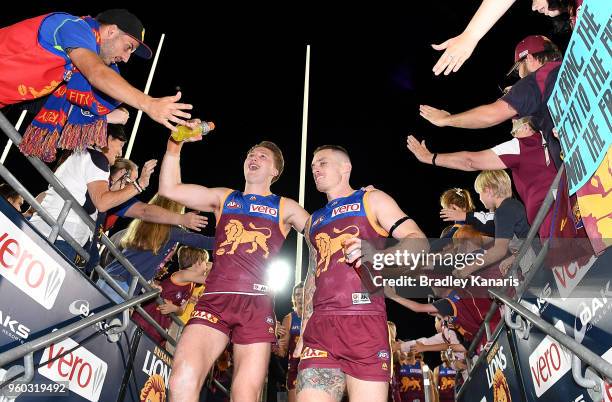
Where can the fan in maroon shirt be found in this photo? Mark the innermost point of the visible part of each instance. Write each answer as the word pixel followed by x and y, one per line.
pixel 526 155
pixel 176 290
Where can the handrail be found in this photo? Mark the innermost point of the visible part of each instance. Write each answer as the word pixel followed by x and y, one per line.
pixel 50 177
pixel 542 212
pixel 581 351
pixel 539 219
pixel 476 363
pixel 62 333
pixel 49 220
pixel 111 282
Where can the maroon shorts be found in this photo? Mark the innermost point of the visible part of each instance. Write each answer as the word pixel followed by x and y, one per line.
pixel 244 319
pixel 356 344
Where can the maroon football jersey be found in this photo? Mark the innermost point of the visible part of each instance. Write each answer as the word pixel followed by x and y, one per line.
pixel 248 237
pixel 339 288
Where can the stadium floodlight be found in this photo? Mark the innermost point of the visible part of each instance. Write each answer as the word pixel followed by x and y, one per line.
pixel 278 275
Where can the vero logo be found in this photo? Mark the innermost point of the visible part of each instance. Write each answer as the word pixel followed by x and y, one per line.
pixel 263 209
pixel 343 209
pixel 569 276
pixel 84 371
pixel 27 266
pixel 548 363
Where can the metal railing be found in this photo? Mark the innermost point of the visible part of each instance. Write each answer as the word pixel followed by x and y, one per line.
pixel 70 203
pixel 580 353
pixel 27 349
pixel 527 244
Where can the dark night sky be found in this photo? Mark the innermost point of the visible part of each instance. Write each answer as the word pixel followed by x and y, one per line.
pixel 243 68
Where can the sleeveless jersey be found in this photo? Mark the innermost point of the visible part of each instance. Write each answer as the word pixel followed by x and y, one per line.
pixel 248 236
pixel 177 293
pixel 411 382
pixel 339 288
pixel 294 332
pixel 446 383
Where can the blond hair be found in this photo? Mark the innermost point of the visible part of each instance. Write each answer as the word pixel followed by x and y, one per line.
pixel 148 236
pixel 497 181
pixel 392 328
pixel 459 197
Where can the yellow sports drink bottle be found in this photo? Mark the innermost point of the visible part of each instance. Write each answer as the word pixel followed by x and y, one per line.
pixel 184 132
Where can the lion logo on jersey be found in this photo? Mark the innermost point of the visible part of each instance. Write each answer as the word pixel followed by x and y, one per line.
pixel 447 383
pixel 328 246
pixel 411 384
pixel 501 390
pixel 236 234
pixel 154 390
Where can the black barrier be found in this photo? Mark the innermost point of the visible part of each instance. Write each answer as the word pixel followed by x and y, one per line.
pixel 577 298
pixel 40 292
pixel 90 368
pixel 496 377
pixel 39 289
pixel 150 372
pixel 546 368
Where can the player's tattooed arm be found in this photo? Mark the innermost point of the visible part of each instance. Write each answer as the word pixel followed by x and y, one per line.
pixel 332 381
pixel 309 285
pixel 309 289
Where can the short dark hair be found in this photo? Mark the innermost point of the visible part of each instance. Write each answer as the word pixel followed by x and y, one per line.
pixel 550 53
pixel 299 285
pixel 116 131
pixel 279 161
pixel 8 192
pixel 338 148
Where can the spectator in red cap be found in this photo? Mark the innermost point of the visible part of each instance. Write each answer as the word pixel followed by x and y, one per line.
pixel 67 55
pixel 537 61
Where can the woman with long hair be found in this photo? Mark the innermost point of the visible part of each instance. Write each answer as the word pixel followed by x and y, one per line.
pixel 148 246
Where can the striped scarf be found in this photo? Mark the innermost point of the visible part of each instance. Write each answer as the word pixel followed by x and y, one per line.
pixel 73 117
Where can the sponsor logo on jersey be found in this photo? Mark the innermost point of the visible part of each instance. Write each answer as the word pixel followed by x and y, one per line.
pixel 310 353
pixel 361 298
pixel 205 316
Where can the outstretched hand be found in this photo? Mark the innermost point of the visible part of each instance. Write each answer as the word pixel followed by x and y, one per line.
pixel 456 51
pixel 452 214
pixel 194 221
pixel 419 149
pixel 166 110
pixel 437 117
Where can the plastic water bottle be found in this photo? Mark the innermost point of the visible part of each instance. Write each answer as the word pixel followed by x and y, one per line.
pixel 183 132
